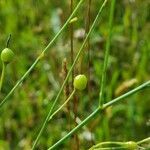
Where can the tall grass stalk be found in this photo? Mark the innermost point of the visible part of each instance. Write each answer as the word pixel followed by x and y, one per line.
pixel 41 55
pixel 99 110
pixel 88 45
pixel 69 73
pixel 71 41
pixel 75 102
pixel 108 42
pixel 88 23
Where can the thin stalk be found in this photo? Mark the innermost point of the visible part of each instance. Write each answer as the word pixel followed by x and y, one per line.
pixel 66 90
pixel 2 75
pixel 108 143
pixel 88 47
pixel 71 41
pixel 88 23
pixel 98 110
pixel 75 103
pixel 110 148
pixel 68 75
pixel 85 121
pixel 42 54
pixel 68 99
pixel 144 141
pixel 103 79
pixel 79 52
pixel 135 90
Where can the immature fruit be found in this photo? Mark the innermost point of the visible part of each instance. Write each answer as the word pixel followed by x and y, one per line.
pixel 7 55
pixel 80 82
pixel 131 145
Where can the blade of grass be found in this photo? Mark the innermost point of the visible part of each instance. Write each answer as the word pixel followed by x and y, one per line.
pixel 98 110
pixel 103 78
pixel 69 73
pixel 41 55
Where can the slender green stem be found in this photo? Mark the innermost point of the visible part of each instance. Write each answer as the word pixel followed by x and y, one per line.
pixel 71 41
pixel 76 128
pixel 88 47
pixel 42 54
pixel 144 141
pixel 103 79
pixel 110 148
pixel 99 109
pixel 68 99
pixel 55 101
pixel 69 72
pixel 2 75
pixel 109 143
pixel 141 87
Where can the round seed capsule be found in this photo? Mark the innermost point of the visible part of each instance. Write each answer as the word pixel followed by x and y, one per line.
pixel 131 145
pixel 7 55
pixel 80 82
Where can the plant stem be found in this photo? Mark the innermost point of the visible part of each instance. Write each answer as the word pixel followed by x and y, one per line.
pixel 72 59
pixel 71 41
pixel 2 75
pixel 85 121
pixel 42 54
pixel 69 72
pixel 99 109
pixel 88 47
pixel 108 143
pixel 144 141
pixel 68 99
pixel 141 87
pixel 110 148
pixel 103 79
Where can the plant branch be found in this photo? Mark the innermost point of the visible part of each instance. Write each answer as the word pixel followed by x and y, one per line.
pixel 68 99
pixel 109 148
pixel 69 72
pixel 99 109
pixel 85 121
pixel 144 141
pixel 41 55
pixel 116 100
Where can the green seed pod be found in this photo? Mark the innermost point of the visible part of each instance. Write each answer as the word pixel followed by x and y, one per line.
pixel 131 145
pixel 80 82
pixel 7 55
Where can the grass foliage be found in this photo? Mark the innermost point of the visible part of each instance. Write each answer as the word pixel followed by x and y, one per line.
pixel 34 82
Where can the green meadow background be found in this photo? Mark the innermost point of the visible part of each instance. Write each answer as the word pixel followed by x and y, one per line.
pixel 32 24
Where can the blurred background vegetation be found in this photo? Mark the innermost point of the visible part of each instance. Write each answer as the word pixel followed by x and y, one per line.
pixel 33 23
